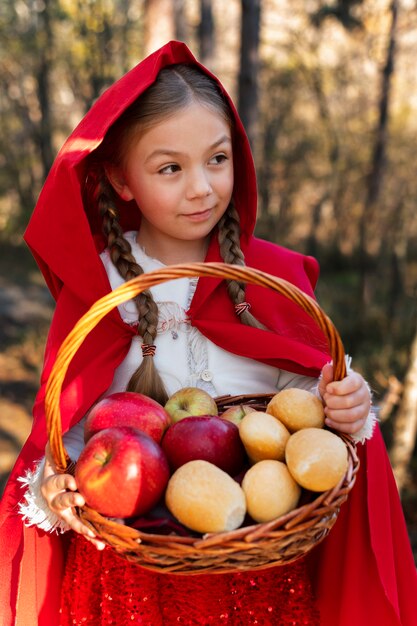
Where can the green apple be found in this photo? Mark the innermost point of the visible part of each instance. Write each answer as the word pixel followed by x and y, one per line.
pixel 236 413
pixel 190 401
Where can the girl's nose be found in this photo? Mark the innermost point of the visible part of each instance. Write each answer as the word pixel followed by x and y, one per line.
pixel 198 184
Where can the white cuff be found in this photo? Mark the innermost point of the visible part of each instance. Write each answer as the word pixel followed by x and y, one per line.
pixel 34 508
pixel 367 429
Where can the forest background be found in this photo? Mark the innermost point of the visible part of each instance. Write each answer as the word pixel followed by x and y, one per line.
pixel 328 94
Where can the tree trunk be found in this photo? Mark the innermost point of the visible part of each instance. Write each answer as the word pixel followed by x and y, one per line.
pixel 159 24
pixel 180 21
pixel 266 169
pixel 405 429
pixel 206 33
pixel 124 37
pixel 249 68
pixel 43 75
pixel 376 174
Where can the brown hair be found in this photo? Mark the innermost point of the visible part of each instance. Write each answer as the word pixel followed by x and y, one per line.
pixel 175 87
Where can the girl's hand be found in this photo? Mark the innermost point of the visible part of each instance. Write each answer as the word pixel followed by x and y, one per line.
pixel 347 402
pixel 60 493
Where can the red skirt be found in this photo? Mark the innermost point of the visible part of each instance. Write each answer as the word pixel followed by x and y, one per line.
pixel 102 588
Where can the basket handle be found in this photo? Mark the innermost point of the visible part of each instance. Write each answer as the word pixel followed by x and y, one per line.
pixel 132 288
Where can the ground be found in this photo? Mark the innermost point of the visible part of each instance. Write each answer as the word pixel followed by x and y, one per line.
pixel 25 312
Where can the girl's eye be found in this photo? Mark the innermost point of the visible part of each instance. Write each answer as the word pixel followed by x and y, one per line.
pixel 169 169
pixel 218 159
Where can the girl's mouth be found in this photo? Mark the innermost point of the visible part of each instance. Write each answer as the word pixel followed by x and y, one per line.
pixel 199 215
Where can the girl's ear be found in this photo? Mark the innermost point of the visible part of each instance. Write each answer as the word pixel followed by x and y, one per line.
pixel 118 182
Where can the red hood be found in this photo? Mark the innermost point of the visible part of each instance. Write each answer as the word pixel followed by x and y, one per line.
pixel 60 225
pixel 66 238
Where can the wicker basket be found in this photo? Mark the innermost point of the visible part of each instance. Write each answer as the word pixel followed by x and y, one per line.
pixel 250 547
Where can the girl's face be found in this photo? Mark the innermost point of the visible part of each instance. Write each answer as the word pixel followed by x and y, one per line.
pixel 180 173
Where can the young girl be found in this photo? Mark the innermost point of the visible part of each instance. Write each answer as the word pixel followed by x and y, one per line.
pixel 160 172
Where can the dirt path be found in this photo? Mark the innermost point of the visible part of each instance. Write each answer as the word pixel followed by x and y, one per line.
pixel 25 313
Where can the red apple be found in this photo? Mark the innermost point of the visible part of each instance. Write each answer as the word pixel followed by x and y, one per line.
pixel 236 413
pixel 127 408
pixel 205 437
pixel 190 401
pixel 122 472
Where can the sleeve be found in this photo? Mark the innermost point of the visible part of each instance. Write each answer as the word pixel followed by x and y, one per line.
pixel 286 380
pixel 33 507
pixel 74 440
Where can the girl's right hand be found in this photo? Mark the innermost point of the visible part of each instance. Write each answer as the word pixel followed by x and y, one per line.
pixel 61 495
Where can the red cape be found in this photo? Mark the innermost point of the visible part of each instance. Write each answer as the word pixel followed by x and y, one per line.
pixel 363 572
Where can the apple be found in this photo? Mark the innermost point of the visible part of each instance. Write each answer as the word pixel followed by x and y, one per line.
pixel 190 401
pixel 207 438
pixel 122 472
pixel 236 413
pixel 127 408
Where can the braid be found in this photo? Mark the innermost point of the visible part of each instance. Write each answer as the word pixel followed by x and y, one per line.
pixel 146 378
pixel 231 252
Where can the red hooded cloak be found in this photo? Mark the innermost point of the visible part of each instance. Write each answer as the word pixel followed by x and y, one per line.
pixel 363 573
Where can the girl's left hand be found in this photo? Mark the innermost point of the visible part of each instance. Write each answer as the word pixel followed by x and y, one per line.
pixel 346 402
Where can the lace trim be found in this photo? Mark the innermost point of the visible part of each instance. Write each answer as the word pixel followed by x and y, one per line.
pixel 367 430
pixel 172 317
pixel 197 359
pixel 193 282
pixel 34 508
pixel 197 353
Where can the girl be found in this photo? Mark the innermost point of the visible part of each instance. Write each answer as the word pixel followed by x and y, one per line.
pixel 160 172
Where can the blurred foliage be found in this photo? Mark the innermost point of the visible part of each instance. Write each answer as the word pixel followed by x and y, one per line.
pixel 342 10
pixel 69 52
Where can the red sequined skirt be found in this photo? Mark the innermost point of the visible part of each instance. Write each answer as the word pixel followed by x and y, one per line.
pixel 102 588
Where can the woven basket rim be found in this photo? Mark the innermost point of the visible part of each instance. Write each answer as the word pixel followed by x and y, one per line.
pixel 210 552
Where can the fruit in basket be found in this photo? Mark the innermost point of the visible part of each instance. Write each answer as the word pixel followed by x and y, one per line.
pixel 205 437
pixel 122 472
pixel 316 458
pixel 236 413
pixel 270 490
pixel 263 436
pixel 127 408
pixel 205 499
pixel 189 401
pixel 297 408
